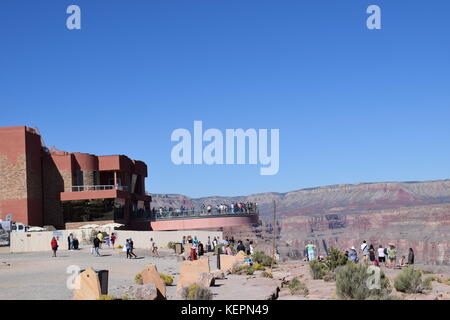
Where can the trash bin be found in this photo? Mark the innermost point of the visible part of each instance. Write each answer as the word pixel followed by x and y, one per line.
pixel 103 277
pixel 178 248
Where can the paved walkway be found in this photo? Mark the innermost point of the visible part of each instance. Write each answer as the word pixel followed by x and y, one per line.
pixel 40 276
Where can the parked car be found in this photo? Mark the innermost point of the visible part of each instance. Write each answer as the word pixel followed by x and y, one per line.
pixel 19 227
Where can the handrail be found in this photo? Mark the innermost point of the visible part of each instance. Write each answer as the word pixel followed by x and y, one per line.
pixel 178 214
pixel 97 188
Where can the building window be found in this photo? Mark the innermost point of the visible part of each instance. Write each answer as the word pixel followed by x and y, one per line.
pixel 79 178
pixel 93 210
pixel 95 178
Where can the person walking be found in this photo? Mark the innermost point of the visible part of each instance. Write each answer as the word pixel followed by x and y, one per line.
pixel 154 248
pixel 113 239
pixel 132 248
pixel 54 244
pixel 100 237
pixel 411 256
pixel 97 246
pixel 128 246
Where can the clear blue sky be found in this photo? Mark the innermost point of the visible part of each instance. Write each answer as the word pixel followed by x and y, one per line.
pixel 352 105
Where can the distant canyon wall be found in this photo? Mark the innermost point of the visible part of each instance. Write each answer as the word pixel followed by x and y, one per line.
pixel 409 214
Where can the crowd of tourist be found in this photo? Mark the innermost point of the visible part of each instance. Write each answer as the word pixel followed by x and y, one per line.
pixel 208 209
pixel 236 207
pixel 383 255
pixel 226 246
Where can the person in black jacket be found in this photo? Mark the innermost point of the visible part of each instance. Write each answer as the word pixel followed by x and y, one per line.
pixel 97 246
pixel 411 256
pixel 240 246
pixel 132 248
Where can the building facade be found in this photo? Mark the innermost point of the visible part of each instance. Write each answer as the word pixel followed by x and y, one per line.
pixel 49 187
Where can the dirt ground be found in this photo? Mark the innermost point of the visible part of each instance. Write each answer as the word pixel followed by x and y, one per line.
pixel 320 289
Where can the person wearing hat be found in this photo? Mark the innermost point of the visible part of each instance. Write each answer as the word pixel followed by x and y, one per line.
pixel 392 255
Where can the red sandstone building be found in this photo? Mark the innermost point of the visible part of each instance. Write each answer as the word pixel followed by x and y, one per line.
pixel 41 187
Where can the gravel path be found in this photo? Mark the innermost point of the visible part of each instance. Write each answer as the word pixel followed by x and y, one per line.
pixel 42 277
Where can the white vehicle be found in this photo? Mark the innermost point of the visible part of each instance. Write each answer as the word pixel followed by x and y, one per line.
pixel 19 227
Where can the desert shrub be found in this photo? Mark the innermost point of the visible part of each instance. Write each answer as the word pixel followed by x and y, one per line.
pixel 258 255
pixel 296 287
pixel 196 292
pixel 106 297
pixel 267 261
pixel 409 280
pixel 437 279
pixel 244 269
pixel 318 269
pixel 258 267
pixel 171 245
pixel 352 282
pixel 168 280
pixel 426 272
pixel 138 279
pixel 335 259
pixel 263 259
pixel 329 276
pixel 427 283
pixel 266 274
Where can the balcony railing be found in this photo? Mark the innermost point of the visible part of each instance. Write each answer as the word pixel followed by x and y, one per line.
pixel 98 187
pixel 188 214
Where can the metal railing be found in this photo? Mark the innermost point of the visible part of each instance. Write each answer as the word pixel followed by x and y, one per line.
pixel 98 187
pixel 189 214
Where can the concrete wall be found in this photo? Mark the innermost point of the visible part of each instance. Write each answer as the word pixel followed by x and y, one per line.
pixel 204 223
pixel 35 241
pixel 40 241
pixel 141 239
